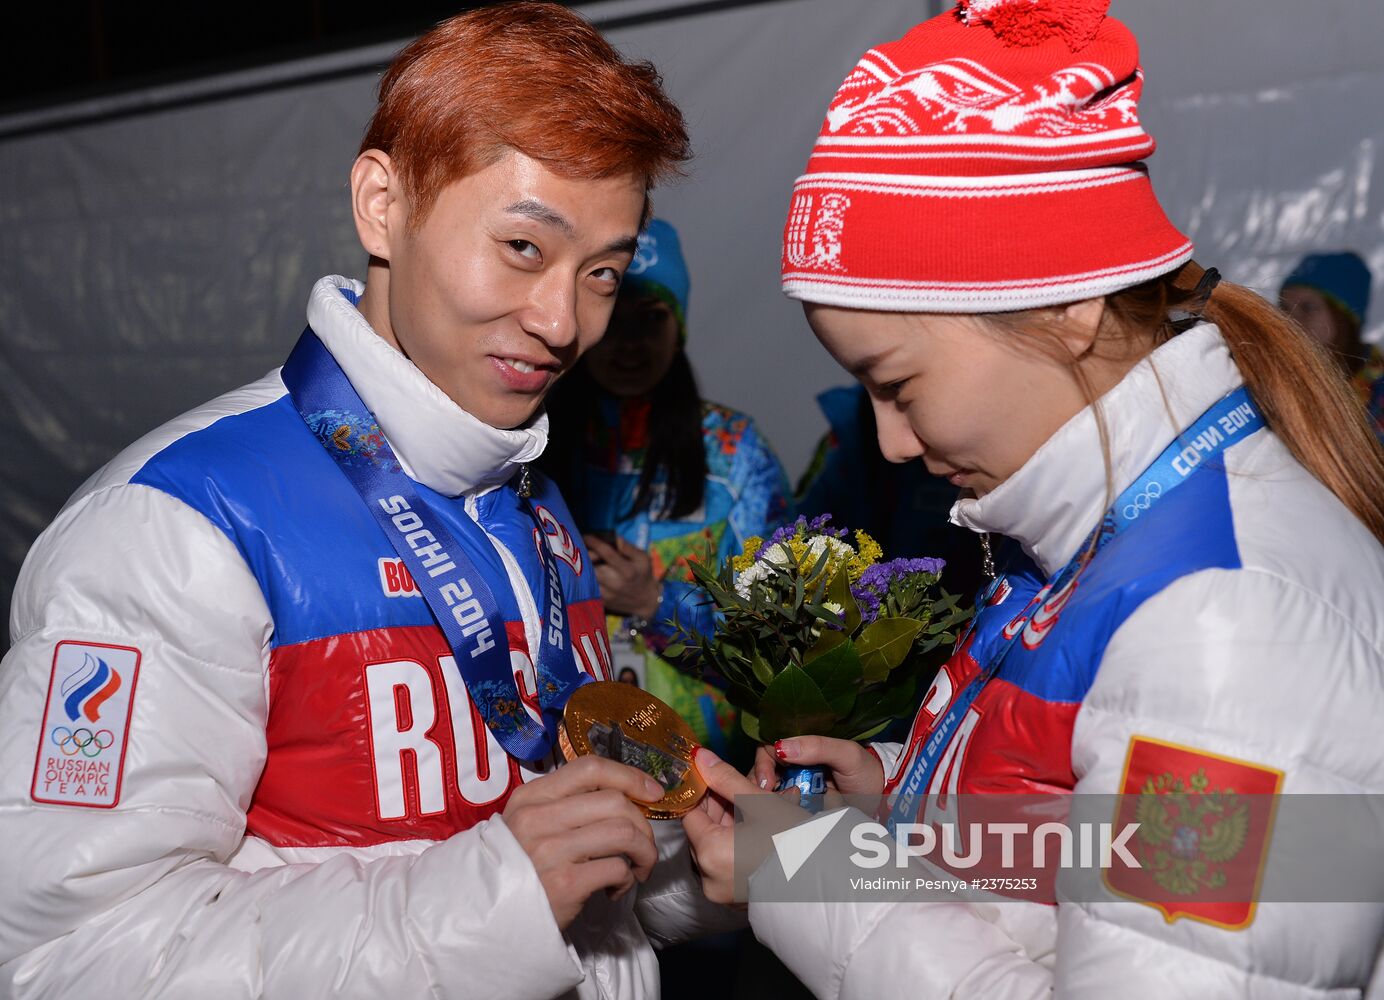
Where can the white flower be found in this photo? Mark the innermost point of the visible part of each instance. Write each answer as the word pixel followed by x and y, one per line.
pixel 839 550
pixel 748 578
pixel 779 554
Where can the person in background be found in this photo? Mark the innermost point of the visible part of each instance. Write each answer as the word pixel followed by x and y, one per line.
pixel 656 476
pixel 1329 295
pixel 901 505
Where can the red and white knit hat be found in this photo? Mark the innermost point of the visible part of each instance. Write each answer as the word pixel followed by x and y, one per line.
pixel 986 161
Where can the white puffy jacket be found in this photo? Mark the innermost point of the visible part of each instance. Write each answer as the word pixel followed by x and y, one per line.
pixel 1245 620
pixel 235 758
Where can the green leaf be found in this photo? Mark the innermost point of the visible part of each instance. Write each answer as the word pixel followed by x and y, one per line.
pixel 732 647
pixel 673 650
pixel 828 641
pixel 947 605
pixel 712 583
pixel 734 670
pixel 957 616
pixel 701 574
pixel 762 669
pixel 725 598
pixel 837 673
pixel 885 644
pixel 839 592
pixel 793 706
pixel 898 699
pixel 750 724
pixel 743 698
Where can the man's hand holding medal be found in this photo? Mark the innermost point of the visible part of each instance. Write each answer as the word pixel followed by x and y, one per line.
pixel 583 832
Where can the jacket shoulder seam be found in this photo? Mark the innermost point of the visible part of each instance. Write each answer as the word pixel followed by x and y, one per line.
pixel 150 808
pixel 1268 574
pixel 139 639
pixel 1317 598
pixel 71 513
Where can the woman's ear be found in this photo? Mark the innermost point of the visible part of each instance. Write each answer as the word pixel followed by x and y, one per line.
pixel 1080 323
pixel 374 187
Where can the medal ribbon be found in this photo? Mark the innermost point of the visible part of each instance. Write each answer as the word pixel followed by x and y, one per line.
pixel 1228 421
pixel 454 588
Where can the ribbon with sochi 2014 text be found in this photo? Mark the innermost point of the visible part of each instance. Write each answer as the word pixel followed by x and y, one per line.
pixel 455 590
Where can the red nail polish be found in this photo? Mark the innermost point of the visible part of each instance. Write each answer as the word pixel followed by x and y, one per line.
pixel 779 752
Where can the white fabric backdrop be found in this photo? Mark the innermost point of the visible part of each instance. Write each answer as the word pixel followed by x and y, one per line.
pixel 158 257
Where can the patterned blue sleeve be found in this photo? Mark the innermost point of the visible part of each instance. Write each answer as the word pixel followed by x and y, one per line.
pixel 763 498
pixel 761 505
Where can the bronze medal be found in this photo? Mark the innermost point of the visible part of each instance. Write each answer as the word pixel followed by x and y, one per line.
pixel 624 723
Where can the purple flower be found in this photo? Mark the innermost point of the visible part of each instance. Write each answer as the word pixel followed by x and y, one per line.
pixel 802 528
pixel 884 575
pixel 867 601
pixel 821 525
pixel 876 582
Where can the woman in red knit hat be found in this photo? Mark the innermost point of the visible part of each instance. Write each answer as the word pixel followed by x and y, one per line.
pixel 1185 507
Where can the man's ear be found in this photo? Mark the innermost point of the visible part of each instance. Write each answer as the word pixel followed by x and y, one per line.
pixel 375 188
pixel 1080 322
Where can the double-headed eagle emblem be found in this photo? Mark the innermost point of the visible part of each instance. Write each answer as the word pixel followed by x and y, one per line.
pixel 1189 831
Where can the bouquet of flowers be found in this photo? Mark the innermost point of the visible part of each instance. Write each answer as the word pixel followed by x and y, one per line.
pixel 817 636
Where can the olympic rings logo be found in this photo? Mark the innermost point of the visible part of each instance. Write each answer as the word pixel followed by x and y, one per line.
pixel 82 741
pixel 645 255
pixel 1144 500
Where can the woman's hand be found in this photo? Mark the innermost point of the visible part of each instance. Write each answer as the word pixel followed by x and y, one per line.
pixel 625 574
pixel 711 828
pixel 854 769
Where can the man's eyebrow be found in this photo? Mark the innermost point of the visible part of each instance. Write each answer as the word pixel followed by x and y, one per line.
pixel 625 244
pixel 540 212
pixel 534 209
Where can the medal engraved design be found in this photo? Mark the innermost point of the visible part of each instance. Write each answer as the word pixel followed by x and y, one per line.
pixel 624 723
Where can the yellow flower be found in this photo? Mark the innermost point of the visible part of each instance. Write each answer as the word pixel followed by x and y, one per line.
pixel 868 552
pixel 746 558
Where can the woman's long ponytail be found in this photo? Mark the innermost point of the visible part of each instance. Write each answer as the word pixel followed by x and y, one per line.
pixel 1297 385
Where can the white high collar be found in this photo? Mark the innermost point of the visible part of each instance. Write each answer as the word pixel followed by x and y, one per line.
pixel 437 442
pixel 1053 501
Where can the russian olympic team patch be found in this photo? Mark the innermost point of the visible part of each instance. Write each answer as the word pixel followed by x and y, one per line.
pixel 86 725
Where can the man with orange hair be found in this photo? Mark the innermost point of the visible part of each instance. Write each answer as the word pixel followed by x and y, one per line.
pixel 279 715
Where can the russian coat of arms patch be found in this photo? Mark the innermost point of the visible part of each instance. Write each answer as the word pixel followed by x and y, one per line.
pixel 1205 823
